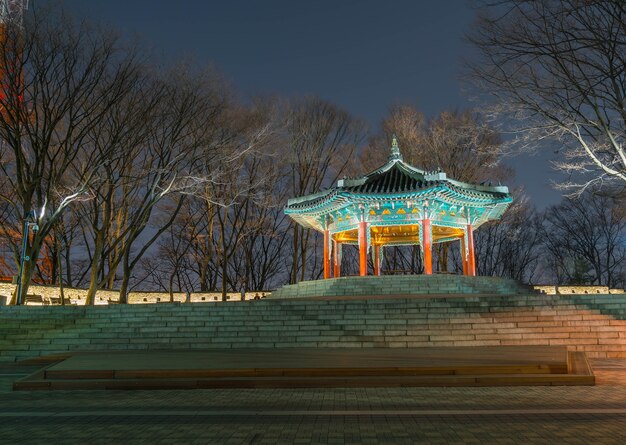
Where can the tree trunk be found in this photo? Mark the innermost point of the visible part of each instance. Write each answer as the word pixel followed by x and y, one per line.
pixel 294 264
pixel 60 271
pixel 442 257
pixel 126 269
pixel 224 262
pixel 303 248
pixel 68 265
pixel 203 273
pixel 171 288
pixel 93 279
pixel 25 276
pixel 32 252
pixel 124 289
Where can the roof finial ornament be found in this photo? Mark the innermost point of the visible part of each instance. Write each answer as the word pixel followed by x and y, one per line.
pixel 395 149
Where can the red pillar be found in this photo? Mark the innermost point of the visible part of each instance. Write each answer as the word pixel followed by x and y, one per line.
pixel 471 260
pixel 377 260
pixel 463 255
pixel 427 247
pixel 363 248
pixel 326 254
pixel 336 259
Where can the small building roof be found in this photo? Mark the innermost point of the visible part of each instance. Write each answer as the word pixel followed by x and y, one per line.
pixel 397 183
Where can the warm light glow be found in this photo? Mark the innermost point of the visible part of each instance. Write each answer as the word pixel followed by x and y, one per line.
pixel 440 232
pixel 349 236
pixel 395 234
pixel 408 233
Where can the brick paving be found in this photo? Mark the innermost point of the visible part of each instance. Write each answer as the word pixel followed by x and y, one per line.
pixel 511 415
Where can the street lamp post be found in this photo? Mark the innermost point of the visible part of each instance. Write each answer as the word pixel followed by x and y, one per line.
pixel 23 258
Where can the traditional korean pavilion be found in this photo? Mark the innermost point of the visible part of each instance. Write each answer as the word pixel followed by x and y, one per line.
pixel 396 205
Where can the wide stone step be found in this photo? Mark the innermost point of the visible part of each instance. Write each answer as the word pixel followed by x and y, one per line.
pixel 253 368
pixel 400 285
pixel 578 321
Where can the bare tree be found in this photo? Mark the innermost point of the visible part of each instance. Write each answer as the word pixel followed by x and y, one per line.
pixel 61 84
pixel 120 137
pixel 221 213
pixel 510 247
pixel 321 142
pixel 200 212
pixel 586 240
pixel 175 265
pixel 460 143
pixel 262 251
pixel 169 163
pixel 558 70
pixel 172 258
pixel 238 186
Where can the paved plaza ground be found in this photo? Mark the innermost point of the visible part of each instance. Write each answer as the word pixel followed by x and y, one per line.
pixel 508 415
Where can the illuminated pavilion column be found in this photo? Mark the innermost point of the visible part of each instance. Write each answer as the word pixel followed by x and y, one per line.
pixel 363 247
pixel 336 259
pixel 471 259
pixel 427 246
pixel 326 254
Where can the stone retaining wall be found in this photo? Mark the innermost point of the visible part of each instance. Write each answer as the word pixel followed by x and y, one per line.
pixel 592 323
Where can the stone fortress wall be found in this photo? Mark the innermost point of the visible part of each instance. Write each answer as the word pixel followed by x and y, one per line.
pixel 551 289
pixel 77 296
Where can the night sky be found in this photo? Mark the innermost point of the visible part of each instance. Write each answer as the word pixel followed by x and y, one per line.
pixel 362 55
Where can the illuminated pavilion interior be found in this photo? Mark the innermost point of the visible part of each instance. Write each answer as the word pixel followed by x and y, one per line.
pixel 397 205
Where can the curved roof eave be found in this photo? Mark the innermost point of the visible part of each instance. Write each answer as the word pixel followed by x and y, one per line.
pixel 376 186
pixel 311 197
pixel 337 198
pixel 481 188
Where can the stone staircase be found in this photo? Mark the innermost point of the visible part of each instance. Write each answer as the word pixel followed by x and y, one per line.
pixel 402 285
pixel 595 324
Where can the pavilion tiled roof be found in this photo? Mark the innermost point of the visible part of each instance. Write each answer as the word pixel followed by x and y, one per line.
pixel 393 178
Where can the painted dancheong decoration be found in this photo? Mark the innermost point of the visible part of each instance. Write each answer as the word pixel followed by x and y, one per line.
pixel 396 205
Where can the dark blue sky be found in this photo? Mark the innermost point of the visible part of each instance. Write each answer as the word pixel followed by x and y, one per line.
pixel 363 55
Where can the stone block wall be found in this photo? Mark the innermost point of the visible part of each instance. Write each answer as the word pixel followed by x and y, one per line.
pixel 78 296
pixel 551 289
pixel 592 323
